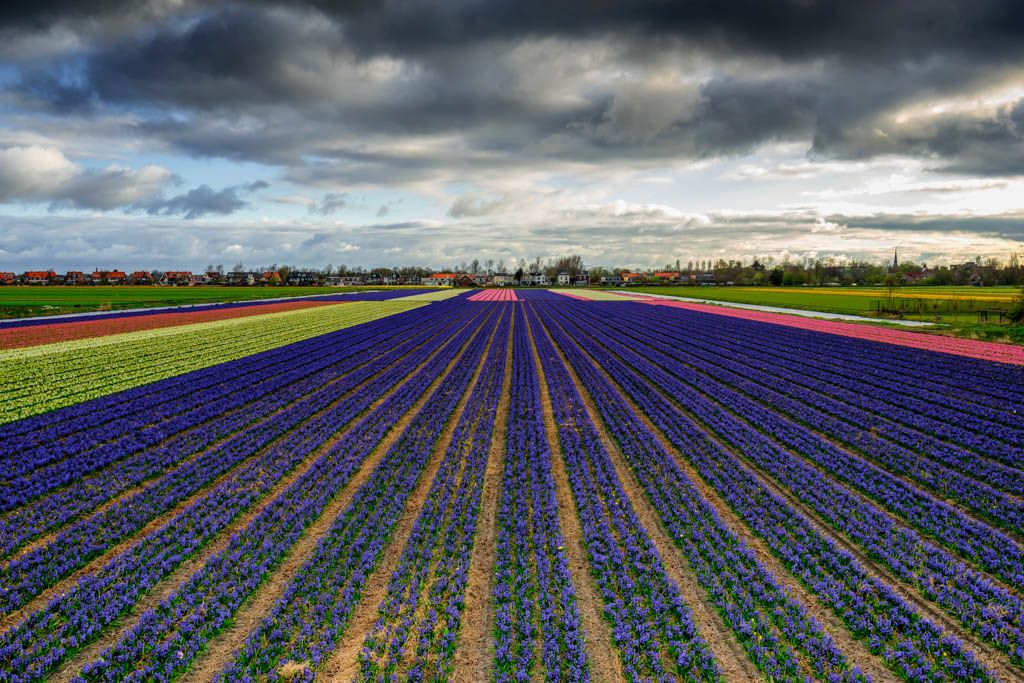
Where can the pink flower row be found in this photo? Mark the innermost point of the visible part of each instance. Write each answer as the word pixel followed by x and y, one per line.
pixel 495 295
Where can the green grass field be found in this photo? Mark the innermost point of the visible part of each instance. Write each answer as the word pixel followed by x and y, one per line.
pixel 20 302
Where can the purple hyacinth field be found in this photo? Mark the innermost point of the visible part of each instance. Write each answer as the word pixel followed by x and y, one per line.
pixel 526 488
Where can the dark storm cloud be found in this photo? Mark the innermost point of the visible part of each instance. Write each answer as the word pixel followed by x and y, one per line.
pixel 871 29
pixel 294 85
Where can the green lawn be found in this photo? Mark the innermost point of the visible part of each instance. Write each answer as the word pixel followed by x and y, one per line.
pixel 19 302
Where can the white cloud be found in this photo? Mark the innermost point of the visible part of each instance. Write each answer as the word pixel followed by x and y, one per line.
pixel 39 174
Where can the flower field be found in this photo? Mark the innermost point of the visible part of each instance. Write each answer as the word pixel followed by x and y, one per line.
pixel 506 486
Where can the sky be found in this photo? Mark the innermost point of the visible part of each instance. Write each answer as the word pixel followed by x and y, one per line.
pixel 173 134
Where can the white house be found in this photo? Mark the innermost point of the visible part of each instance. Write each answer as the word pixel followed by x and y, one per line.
pixel 440 280
pixel 538 280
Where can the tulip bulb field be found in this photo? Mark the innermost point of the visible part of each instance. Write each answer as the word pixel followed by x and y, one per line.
pixel 506 485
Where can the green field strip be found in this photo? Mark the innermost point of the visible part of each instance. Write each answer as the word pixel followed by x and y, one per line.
pixel 439 295
pixel 38 379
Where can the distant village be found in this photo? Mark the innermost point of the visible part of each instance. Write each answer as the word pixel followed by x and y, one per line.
pixel 562 272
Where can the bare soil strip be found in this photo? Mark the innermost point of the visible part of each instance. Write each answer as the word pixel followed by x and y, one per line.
pixel 986 654
pixel 343 664
pixel 727 649
pixel 221 649
pixel 601 652
pixel 855 649
pixel 474 654
pixel 171 582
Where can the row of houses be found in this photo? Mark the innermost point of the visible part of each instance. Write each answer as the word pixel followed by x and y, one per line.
pixel 184 278
pixel 666 278
pixel 104 277
pixel 534 279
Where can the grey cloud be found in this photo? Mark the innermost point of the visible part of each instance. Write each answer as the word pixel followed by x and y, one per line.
pixel 328 77
pixel 158 242
pixel 201 201
pixel 332 202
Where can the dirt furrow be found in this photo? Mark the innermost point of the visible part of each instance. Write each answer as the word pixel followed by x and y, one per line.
pixel 221 649
pixel 343 664
pixel 727 649
pixel 171 582
pixel 474 654
pixel 601 653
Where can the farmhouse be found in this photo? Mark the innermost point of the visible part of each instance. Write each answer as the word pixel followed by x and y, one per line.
pixel 76 277
pixel 666 276
pixel 242 277
pixel 304 278
pixel 38 277
pixel 501 279
pixel 140 277
pixel 440 280
pixel 109 277
pixel 7 278
pixel 348 280
pixel 611 280
pixel 632 278
pixel 177 278
pixel 537 279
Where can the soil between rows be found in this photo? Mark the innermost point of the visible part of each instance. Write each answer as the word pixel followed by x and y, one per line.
pixel 474 653
pixel 169 584
pixel 219 651
pixel 601 651
pixel 40 601
pixel 345 370
pixel 727 649
pixel 343 664
pixel 988 655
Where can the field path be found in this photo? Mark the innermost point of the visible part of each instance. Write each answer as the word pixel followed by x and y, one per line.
pixel 221 649
pixel 601 651
pixel 474 654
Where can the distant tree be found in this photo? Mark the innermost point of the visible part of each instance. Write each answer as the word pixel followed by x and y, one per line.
pixel 776 276
pixel 1016 312
pixel 519 274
